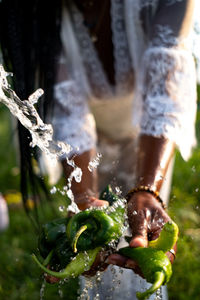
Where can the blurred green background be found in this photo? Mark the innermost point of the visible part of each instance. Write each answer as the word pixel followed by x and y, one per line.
pixel 21 279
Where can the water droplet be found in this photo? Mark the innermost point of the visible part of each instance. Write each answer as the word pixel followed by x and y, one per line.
pixel 93 164
pixel 53 190
pixel 61 208
pixel 193 169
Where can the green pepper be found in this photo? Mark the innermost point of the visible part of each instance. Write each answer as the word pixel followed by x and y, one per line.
pixel 62 252
pixel 167 238
pixel 154 263
pixel 88 230
pixel 108 195
pixel 81 263
pixel 49 235
pixel 92 228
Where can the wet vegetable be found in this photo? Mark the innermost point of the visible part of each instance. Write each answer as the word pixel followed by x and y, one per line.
pixel 50 233
pixel 167 238
pixel 92 228
pixel 153 262
pixel 81 263
pixel 88 231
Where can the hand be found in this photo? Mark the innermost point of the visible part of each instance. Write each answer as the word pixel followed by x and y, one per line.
pixel 85 201
pixel 146 219
pixel 99 264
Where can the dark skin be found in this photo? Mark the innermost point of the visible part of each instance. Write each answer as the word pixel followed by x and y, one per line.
pixel 146 215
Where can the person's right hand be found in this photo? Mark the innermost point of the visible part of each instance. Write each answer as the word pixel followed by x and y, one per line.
pixel 146 219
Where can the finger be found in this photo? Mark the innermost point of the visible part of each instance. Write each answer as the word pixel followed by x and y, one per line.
pixel 139 228
pixel 172 255
pixel 51 279
pixel 139 241
pixel 159 218
pixel 127 263
pixel 138 220
pixel 91 202
pixel 130 264
pixel 116 259
pixel 99 203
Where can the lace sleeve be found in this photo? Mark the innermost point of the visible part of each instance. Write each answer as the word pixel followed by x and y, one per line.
pixel 169 81
pixel 72 122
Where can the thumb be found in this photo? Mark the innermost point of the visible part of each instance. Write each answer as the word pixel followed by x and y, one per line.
pixel 138 241
pixel 139 226
pixel 98 203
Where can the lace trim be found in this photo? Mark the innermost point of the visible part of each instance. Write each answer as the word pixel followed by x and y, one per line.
pixel 145 3
pixel 171 2
pixel 72 121
pixel 123 66
pixel 169 92
pixel 98 80
pixel 165 38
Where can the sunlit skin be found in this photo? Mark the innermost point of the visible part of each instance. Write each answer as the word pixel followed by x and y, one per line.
pixel 146 215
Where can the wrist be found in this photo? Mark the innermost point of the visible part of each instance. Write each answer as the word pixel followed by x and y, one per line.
pixel 145 189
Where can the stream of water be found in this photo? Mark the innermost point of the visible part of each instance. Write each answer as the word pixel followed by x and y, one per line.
pixel 41 133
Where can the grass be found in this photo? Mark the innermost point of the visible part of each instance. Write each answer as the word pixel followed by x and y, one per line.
pixel 21 279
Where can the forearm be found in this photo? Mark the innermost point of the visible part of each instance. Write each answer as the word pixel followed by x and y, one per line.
pixel 154 155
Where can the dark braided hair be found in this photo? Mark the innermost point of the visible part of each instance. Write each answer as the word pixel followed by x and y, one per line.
pixel 30 44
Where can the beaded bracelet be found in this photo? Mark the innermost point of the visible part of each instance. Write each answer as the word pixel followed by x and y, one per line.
pixel 144 188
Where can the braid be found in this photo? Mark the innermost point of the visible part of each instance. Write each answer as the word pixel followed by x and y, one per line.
pixel 30 46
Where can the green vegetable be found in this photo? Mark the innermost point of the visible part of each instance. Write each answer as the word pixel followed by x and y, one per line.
pixel 50 233
pixel 88 231
pixel 108 195
pixel 62 252
pixel 81 263
pixel 154 265
pixel 153 262
pixel 167 238
pixel 92 228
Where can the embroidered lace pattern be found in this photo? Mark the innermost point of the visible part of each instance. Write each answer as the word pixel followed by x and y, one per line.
pixel 73 123
pixel 165 87
pixel 171 2
pixel 123 66
pixel 145 3
pixel 168 91
pixel 165 38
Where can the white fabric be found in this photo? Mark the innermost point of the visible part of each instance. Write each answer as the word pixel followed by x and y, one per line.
pixel 164 99
pixel 73 122
pixel 114 120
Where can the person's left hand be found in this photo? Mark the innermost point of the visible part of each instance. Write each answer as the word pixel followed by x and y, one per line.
pixel 146 219
pixel 85 201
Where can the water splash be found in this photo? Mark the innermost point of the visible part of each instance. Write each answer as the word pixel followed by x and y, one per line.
pixel 41 133
pixel 42 289
pixel 158 294
pixel 93 164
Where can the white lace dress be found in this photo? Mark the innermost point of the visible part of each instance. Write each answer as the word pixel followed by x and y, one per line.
pixel 164 92
pixel 154 94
